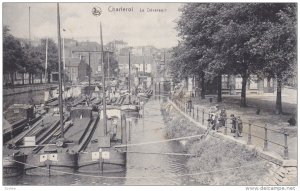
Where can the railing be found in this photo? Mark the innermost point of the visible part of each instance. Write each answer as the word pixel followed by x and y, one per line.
pixel 254 131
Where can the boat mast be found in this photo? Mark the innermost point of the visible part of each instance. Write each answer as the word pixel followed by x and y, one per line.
pixel 59 75
pixel 29 26
pixel 46 60
pixel 103 84
pixel 129 78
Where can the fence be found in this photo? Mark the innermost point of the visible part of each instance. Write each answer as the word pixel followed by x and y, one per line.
pixel 256 134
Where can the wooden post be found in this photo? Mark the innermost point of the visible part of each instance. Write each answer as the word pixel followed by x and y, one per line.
pixel 249 135
pixel 266 139
pixel 225 132
pixel 203 117
pixel 159 88
pixel 236 128
pixel 193 112
pixel 286 148
pixel 100 162
pixel 123 130
pixel 129 136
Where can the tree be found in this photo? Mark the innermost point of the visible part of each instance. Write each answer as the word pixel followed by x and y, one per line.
pixel 113 64
pixel 52 57
pixel 13 54
pixel 227 38
pixel 278 47
pixel 196 26
pixel 33 62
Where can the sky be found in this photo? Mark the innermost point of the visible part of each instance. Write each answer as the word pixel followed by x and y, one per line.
pixel 135 27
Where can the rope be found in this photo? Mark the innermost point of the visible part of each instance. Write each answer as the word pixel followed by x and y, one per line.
pixel 175 154
pixel 142 131
pixel 142 177
pixel 162 141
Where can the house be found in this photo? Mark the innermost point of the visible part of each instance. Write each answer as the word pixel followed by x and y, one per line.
pixel 233 85
pixel 71 70
pixel 137 64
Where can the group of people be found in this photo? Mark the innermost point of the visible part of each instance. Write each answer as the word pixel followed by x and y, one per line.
pixel 217 118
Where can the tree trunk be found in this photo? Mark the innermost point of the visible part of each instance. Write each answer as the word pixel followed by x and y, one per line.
pixel 23 80
pixel 219 88
pixel 41 78
pixel 186 82
pixel 32 80
pixel 48 77
pixel 243 93
pixel 12 78
pixel 202 75
pixel 29 78
pixel 278 97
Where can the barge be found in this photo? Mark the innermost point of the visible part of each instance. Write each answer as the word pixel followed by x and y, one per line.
pixel 99 155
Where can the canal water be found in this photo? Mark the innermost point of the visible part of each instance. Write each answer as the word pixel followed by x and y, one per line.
pixel 141 168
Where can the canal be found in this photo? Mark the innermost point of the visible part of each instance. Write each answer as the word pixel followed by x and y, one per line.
pixel 145 164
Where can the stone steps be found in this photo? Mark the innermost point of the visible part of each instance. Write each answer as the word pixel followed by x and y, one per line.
pixel 278 175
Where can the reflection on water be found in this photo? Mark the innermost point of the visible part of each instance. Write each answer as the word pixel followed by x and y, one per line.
pixel 153 169
pixel 38 97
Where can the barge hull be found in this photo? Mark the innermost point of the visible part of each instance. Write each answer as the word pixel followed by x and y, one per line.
pixel 89 164
pixel 48 164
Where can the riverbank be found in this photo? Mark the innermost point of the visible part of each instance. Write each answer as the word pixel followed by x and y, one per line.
pixel 8 91
pixel 265 118
pixel 217 161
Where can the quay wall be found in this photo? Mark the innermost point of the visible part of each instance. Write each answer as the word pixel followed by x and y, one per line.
pixel 34 94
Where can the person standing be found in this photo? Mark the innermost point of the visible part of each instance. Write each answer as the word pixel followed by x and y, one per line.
pixel 240 126
pixel 233 122
pixel 223 117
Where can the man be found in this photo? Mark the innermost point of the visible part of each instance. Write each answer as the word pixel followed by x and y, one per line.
pixel 240 126
pixel 223 117
pixel 233 122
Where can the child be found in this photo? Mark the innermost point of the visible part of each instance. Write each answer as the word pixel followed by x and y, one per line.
pixel 240 126
pixel 233 122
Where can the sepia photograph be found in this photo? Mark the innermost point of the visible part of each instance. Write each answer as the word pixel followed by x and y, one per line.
pixel 150 94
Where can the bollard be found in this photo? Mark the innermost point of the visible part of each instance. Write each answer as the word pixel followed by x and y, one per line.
pixel 203 117
pixel 225 132
pixel 159 88
pixel 286 148
pixel 266 139
pixel 197 114
pixel 181 106
pixel 249 142
pixel 124 130
pixel 100 163
pixel 129 137
pixel 193 112
pixel 236 128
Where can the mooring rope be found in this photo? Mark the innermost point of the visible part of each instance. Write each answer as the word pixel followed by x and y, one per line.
pixel 161 141
pixel 143 177
pixel 154 153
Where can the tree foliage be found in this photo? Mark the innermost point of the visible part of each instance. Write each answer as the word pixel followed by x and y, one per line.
pixel 19 56
pixel 236 39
